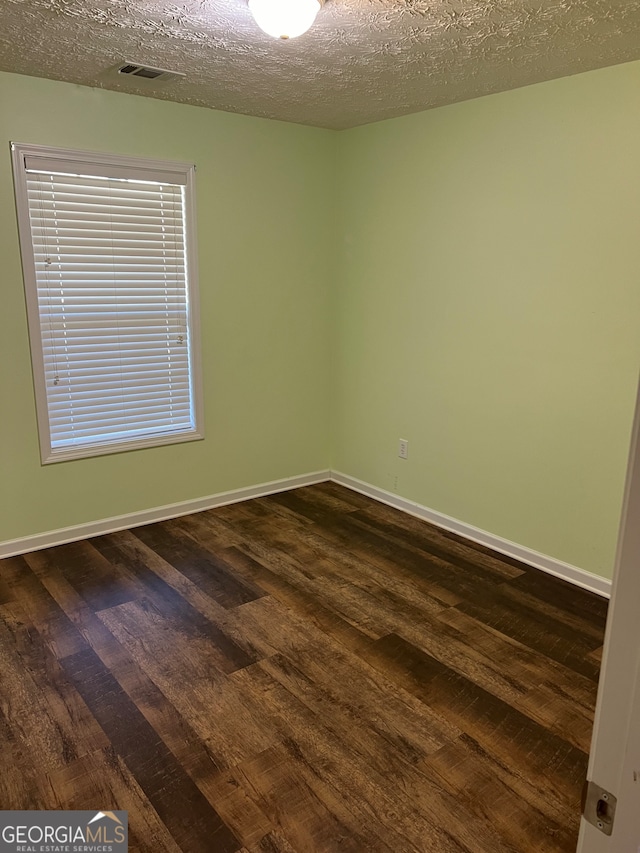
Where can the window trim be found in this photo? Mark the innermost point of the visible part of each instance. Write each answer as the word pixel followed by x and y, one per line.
pixel 20 152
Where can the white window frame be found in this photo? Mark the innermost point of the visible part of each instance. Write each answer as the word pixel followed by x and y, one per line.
pixel 98 164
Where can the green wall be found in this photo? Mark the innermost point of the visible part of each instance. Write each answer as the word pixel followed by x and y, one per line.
pixel 265 220
pixel 489 309
pixel 465 278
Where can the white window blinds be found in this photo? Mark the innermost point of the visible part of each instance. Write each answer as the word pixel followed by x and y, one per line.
pixel 110 270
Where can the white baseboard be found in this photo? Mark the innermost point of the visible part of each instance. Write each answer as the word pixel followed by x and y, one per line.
pixel 573 574
pixel 579 577
pixel 14 547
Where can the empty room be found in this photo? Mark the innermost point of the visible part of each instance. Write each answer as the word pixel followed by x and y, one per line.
pixel 319 502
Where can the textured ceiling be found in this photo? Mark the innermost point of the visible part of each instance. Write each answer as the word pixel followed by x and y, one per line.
pixel 363 60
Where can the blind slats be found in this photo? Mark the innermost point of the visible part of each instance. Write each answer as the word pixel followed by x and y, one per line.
pixel 87 438
pixel 100 254
pixel 110 267
pixel 85 418
pixel 133 192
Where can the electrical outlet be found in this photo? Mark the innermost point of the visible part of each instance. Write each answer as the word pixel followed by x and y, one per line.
pixel 403 448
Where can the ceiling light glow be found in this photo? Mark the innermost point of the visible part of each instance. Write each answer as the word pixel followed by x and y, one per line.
pixel 284 19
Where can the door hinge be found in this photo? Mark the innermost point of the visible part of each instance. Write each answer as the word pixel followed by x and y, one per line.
pixel 598 807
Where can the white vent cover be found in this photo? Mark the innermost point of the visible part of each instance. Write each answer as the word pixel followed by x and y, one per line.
pixel 146 72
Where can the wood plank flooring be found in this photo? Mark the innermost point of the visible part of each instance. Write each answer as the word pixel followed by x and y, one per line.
pixel 311 672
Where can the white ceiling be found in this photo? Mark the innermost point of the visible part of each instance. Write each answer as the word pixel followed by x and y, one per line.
pixel 363 60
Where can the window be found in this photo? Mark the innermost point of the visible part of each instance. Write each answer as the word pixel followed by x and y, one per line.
pixel 108 253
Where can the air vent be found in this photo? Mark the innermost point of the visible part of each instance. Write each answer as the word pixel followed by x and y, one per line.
pixel 131 69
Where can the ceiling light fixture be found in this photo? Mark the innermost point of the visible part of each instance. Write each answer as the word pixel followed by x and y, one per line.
pixel 284 19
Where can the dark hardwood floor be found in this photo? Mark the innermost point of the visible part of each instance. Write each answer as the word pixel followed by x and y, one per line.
pixel 311 672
